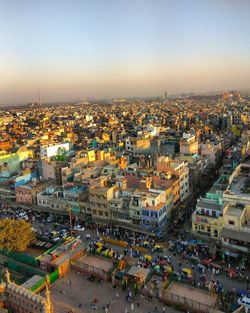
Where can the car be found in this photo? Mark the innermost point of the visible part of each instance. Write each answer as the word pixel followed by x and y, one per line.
pixel 50 219
pixel 245 301
pixel 79 228
pixel 57 239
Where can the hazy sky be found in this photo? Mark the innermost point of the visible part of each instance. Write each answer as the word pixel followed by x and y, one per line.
pixel 78 48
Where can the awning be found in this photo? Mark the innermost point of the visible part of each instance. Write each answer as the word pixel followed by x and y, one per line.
pixel 236 235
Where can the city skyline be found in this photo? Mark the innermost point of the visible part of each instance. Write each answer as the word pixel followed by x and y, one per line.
pixel 78 49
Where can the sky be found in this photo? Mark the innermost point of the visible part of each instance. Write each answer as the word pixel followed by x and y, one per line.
pixel 73 49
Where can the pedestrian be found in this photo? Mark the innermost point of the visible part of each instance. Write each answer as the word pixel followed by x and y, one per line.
pixel 156 308
pixel 163 309
pixel 132 306
pixel 80 305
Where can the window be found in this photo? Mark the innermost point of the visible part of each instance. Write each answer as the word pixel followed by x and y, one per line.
pixel 231 222
pixel 153 214
pixel 145 213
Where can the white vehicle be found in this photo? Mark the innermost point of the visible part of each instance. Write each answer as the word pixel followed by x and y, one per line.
pixel 245 301
pixel 50 219
pixel 56 239
pixel 79 228
pixel 23 216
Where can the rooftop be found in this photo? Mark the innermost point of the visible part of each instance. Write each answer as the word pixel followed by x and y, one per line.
pixel 240 185
pixel 235 210
pixel 209 204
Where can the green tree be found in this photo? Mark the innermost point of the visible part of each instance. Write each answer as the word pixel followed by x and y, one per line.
pixel 15 235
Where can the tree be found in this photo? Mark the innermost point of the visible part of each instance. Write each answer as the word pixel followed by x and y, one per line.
pixel 15 235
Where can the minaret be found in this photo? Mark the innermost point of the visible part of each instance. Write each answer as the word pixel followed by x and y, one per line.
pixel 49 305
pixel 7 275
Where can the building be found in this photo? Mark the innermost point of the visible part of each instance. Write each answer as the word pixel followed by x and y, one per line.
pixel 188 144
pixel 148 209
pixel 238 190
pixel 60 199
pixel 100 194
pixel 137 145
pixel 181 169
pixel 28 193
pixel 52 169
pixel 18 299
pixel 207 219
pixel 54 150
pixel 236 230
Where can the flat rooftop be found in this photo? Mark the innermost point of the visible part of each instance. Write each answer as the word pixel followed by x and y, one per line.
pixel 102 264
pixel 235 211
pixel 192 293
pixel 208 204
pixel 32 281
pixel 240 185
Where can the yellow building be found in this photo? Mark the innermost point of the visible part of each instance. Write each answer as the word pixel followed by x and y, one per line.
pixel 99 196
pixel 207 220
pixel 206 225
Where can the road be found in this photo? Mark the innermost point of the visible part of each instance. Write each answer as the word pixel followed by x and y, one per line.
pixel 228 283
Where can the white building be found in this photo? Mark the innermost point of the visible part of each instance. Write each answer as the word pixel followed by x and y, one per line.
pixel 53 150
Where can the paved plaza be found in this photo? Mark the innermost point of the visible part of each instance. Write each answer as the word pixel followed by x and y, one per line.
pixel 68 292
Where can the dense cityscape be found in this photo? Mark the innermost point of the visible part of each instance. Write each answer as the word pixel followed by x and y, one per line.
pixel 124 156
pixel 147 197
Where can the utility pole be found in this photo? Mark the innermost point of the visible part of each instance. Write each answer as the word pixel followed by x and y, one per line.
pixel 70 221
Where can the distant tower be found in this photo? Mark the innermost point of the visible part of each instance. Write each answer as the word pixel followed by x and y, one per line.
pixel 7 275
pixel 39 98
pixel 165 95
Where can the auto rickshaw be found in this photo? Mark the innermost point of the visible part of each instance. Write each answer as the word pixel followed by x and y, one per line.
pixel 111 253
pixel 146 244
pixel 98 244
pixel 99 249
pixel 187 272
pixel 106 252
pixel 158 248
pixel 148 257
pixel 168 269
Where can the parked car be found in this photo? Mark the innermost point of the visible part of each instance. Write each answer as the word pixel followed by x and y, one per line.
pixel 79 228
pixel 245 301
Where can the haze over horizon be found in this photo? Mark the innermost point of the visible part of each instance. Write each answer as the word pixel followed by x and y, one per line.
pixel 76 49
